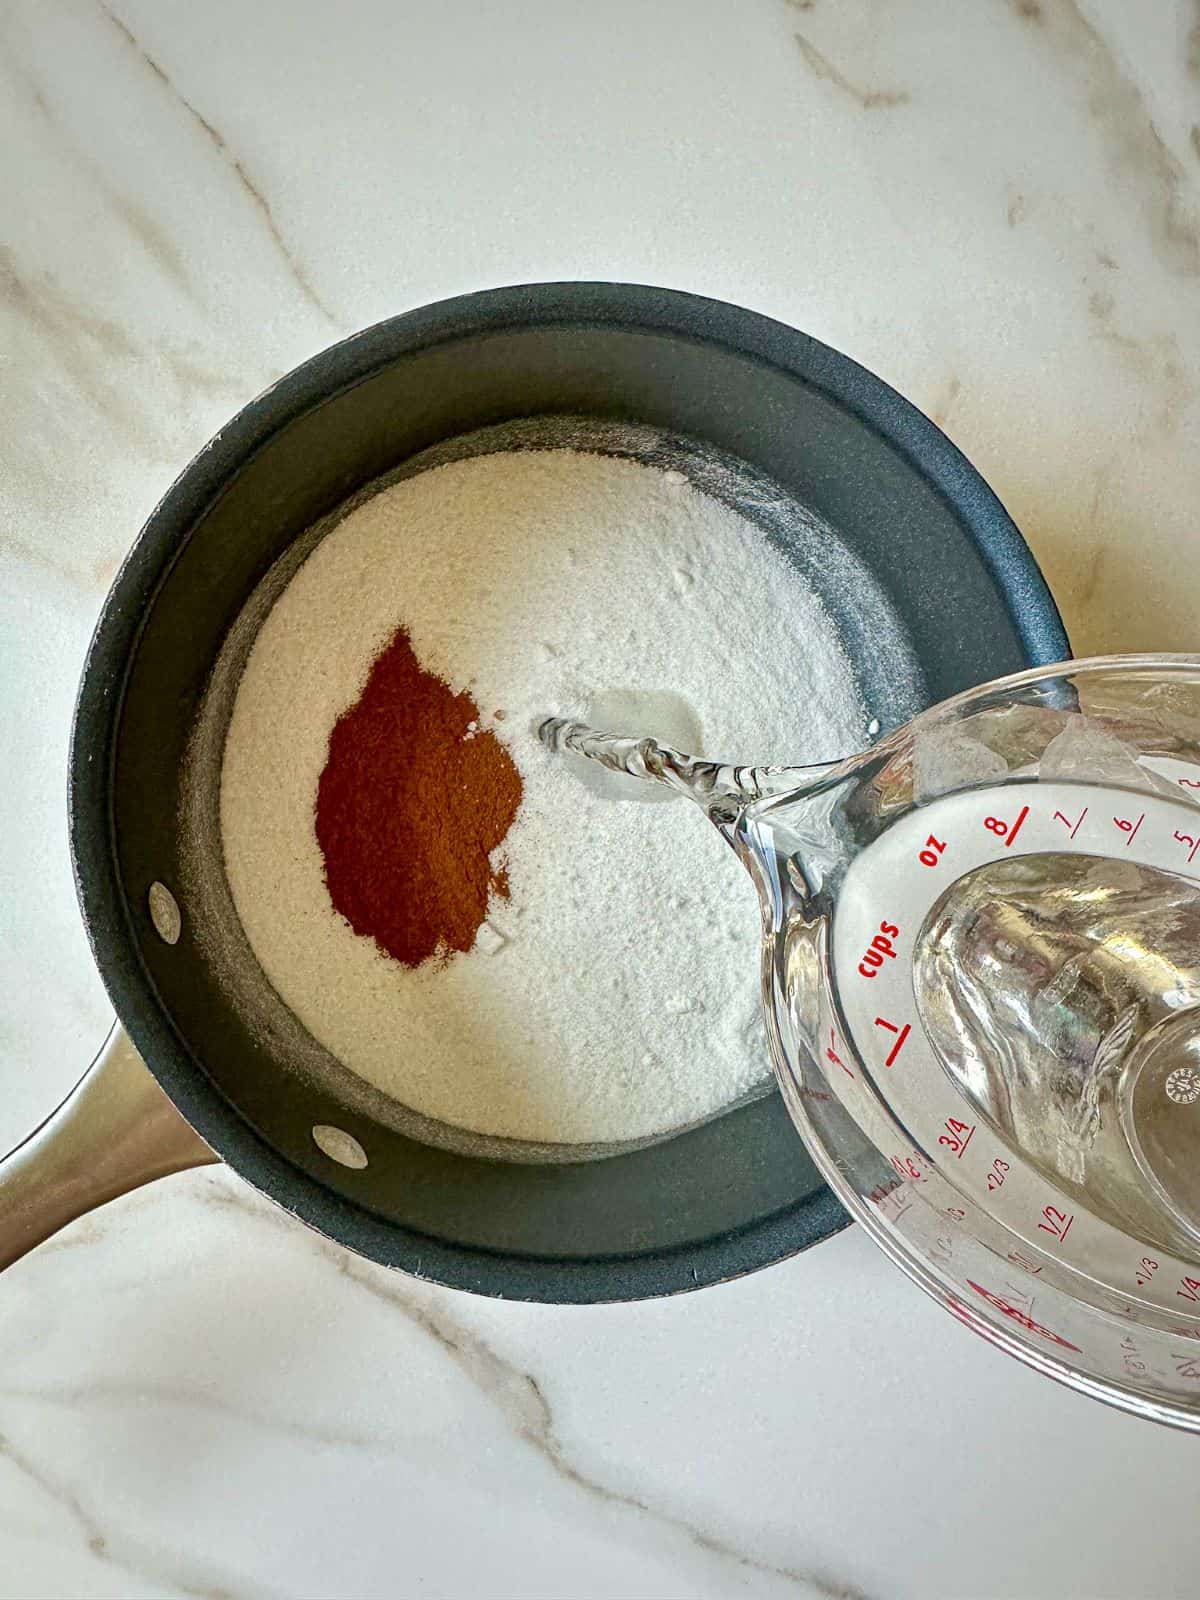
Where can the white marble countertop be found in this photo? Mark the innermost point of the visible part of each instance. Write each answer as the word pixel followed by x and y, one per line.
pixel 996 207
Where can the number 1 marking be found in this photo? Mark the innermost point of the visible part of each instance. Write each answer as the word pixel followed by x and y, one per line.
pixel 901 1033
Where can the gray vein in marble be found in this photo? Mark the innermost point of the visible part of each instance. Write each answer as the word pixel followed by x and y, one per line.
pixel 75 1397
pixel 94 355
pixel 1195 137
pixel 134 1559
pixel 869 99
pixel 1192 58
pixel 153 238
pixel 1156 360
pixel 236 166
pixel 517 1396
pixel 1017 207
pixel 1121 115
pixel 948 399
pixel 74 334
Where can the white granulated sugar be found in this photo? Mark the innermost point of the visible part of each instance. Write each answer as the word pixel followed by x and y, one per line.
pixel 614 995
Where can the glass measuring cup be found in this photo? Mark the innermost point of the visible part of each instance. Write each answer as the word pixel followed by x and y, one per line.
pixel 981 976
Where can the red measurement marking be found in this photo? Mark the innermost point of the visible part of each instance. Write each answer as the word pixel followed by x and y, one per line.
pixel 832 1055
pixel 1056 1222
pixel 942 1252
pixel 997 1175
pixel 908 1169
pixel 1189 1289
pixel 1147 1267
pixel 1072 827
pixel 1004 830
pixel 1186 838
pixel 1016 827
pixel 901 1033
pixel 1131 1358
pixel 1188 783
pixel 956 1213
pixel 1020 1260
pixel 1186 1366
pixel 957 1136
pixel 1130 828
pixel 1022 1317
pixel 933 849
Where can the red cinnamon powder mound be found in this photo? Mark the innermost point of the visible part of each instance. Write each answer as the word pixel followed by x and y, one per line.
pixel 409 809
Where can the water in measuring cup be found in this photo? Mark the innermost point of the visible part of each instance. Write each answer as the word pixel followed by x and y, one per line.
pixel 1060 993
pixel 1062 996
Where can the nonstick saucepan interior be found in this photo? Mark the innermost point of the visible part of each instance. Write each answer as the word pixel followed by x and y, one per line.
pixel 956 586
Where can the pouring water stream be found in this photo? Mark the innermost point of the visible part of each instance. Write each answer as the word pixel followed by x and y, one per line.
pixel 993 1048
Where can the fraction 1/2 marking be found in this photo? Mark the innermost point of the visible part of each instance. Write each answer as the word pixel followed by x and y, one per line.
pixel 1057 1222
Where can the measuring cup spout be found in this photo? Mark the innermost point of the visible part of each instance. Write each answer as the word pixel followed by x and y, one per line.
pixel 721 789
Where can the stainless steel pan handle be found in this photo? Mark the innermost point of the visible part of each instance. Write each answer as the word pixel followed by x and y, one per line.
pixel 115 1131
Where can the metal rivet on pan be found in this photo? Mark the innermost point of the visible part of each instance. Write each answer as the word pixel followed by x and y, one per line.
pixel 339 1146
pixel 165 913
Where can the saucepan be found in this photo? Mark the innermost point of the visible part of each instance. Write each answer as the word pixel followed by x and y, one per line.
pixel 185 1078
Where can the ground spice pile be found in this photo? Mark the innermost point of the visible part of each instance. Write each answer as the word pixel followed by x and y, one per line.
pixel 413 799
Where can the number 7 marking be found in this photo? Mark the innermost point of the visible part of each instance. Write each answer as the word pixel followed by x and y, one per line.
pixel 1066 821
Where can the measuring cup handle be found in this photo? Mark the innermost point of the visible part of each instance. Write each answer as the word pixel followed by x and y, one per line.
pixel 115 1131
